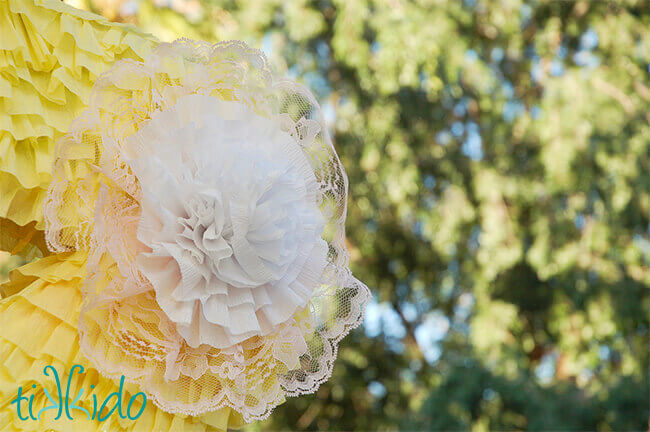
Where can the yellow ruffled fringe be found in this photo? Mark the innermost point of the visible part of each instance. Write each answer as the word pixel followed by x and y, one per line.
pixel 39 328
pixel 50 57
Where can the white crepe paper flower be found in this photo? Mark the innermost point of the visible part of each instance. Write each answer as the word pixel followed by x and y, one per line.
pixel 230 217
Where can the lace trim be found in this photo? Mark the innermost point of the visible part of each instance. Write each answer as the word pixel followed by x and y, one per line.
pixel 94 204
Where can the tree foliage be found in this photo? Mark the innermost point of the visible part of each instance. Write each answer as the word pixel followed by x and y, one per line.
pixel 499 156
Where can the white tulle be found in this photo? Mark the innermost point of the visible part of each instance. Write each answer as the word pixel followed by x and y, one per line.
pixel 229 214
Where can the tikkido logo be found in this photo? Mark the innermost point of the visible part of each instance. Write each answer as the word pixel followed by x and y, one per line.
pixel 65 403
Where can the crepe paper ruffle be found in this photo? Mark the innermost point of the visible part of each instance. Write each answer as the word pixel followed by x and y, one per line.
pixel 50 56
pixel 25 241
pixel 46 307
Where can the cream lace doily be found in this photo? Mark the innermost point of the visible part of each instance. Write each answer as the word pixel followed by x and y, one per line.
pixel 211 203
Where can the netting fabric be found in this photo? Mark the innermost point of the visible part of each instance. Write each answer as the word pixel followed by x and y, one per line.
pixel 212 205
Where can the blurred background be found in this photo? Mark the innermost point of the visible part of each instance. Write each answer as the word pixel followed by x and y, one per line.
pixel 499 157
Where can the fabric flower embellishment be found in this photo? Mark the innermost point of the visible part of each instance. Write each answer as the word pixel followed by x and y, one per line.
pixel 233 226
pixel 211 203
